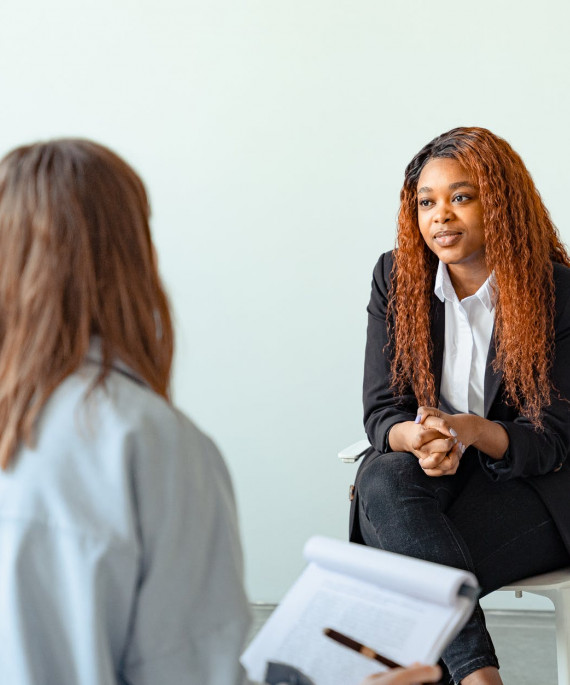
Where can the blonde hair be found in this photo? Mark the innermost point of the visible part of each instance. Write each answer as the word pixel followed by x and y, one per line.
pixel 76 260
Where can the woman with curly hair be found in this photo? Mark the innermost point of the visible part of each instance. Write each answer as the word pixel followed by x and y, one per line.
pixel 120 558
pixel 466 382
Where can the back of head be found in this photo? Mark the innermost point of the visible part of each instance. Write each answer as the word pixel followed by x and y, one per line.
pixel 76 260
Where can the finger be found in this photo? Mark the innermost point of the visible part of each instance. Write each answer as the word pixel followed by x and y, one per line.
pixel 440 424
pixel 424 412
pixel 455 458
pixel 406 676
pixel 429 410
pixel 434 473
pixel 423 437
pixel 444 467
pixel 432 461
pixel 449 465
pixel 417 673
pixel 444 445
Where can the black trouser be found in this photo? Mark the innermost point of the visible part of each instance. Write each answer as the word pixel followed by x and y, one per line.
pixel 501 532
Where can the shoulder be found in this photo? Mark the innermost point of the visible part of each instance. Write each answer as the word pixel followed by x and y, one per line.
pixel 119 426
pixel 116 406
pixel 561 275
pixel 162 436
pixel 160 430
pixel 98 452
pixel 383 270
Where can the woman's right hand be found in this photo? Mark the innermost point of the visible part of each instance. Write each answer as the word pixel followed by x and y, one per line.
pixel 423 442
pixel 412 675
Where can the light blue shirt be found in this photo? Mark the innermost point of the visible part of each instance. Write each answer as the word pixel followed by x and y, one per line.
pixel 468 330
pixel 120 559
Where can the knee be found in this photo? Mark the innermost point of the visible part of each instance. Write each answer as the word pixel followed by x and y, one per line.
pixel 386 478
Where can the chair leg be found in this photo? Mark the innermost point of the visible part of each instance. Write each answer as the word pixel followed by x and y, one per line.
pixel 561 601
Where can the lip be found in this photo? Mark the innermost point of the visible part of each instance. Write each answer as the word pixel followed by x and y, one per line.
pixel 447 238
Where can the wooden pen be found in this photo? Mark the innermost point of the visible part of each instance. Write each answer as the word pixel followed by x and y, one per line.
pixel 360 648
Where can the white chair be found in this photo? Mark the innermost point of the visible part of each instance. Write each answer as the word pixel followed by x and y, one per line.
pixel 555 586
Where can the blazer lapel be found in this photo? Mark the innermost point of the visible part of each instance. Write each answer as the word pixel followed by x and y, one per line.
pixel 492 378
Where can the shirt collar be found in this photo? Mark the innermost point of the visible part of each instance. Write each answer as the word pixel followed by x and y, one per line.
pixel 444 289
pixel 95 356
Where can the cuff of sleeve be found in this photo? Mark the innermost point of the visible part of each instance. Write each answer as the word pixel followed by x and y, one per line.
pixel 386 446
pixel 497 469
pixel 400 419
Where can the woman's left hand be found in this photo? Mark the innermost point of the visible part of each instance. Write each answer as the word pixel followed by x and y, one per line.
pixel 490 437
pixel 447 424
pixel 442 464
pixel 454 425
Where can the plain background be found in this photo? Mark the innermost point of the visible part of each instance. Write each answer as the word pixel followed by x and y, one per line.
pixel 273 136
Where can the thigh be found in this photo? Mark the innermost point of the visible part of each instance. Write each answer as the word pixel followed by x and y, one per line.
pixel 400 509
pixel 395 479
pixel 507 529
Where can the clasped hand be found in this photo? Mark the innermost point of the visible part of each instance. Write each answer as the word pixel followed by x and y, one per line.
pixel 435 442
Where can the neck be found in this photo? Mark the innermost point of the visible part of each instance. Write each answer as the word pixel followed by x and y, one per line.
pixel 467 281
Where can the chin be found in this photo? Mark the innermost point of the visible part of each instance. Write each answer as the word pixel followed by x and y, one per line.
pixel 447 257
pixel 471 261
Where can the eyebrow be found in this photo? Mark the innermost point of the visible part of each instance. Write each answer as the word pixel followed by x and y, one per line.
pixel 452 186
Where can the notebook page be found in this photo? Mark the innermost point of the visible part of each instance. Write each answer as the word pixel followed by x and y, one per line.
pixel 390 623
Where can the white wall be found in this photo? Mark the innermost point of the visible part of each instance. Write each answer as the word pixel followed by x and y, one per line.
pixel 273 138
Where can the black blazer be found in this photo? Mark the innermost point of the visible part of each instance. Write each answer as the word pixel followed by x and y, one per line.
pixel 539 457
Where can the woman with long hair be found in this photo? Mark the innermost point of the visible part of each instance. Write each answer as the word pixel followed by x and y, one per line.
pixel 120 559
pixel 466 384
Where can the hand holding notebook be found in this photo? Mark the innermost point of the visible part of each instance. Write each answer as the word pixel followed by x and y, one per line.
pixel 405 609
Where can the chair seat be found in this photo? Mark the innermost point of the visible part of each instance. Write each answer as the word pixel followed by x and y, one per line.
pixel 556 580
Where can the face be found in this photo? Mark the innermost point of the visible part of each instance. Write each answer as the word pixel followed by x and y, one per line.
pixel 450 215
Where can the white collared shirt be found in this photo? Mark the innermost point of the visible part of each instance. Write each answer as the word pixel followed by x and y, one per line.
pixel 468 330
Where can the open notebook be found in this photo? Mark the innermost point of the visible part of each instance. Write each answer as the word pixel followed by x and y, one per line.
pixel 405 609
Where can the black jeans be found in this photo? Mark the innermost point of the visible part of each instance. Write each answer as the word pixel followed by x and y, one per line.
pixel 501 532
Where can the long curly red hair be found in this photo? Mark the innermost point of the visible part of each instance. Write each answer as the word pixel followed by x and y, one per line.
pixel 521 243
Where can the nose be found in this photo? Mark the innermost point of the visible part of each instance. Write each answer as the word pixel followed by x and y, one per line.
pixel 444 213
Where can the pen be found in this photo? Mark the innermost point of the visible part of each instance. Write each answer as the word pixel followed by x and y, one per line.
pixel 360 648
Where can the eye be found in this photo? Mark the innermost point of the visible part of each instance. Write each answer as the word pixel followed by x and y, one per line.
pixel 424 203
pixel 461 198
